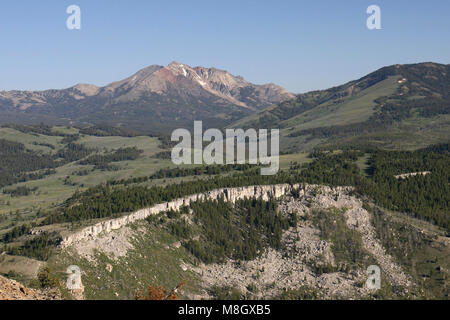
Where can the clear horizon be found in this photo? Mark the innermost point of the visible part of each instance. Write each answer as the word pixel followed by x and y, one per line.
pixel 298 45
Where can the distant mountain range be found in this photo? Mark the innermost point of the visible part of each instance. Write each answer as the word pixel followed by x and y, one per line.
pixel 404 106
pixel 155 99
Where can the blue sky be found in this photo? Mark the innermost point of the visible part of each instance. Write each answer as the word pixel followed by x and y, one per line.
pixel 301 45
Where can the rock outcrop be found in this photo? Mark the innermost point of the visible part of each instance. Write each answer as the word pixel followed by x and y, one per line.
pixel 13 290
pixel 412 174
pixel 295 266
pixel 305 261
pixel 229 194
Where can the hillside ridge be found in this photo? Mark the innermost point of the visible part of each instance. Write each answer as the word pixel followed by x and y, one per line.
pixel 229 194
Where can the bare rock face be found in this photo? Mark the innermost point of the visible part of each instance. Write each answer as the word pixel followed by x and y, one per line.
pixel 229 194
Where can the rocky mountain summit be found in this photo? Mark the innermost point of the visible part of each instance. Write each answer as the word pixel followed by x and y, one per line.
pixel 160 95
pixel 183 80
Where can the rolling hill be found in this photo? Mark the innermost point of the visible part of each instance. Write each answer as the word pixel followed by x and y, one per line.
pixel 404 106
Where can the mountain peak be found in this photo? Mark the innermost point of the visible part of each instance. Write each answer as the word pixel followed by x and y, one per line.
pixel 176 93
pixel 178 68
pixel 174 63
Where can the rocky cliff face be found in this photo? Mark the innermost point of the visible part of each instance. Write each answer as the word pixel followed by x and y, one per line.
pixel 309 262
pixel 229 194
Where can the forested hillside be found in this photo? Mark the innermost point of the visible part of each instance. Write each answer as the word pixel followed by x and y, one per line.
pixel 391 106
pixel 422 196
pixel 17 164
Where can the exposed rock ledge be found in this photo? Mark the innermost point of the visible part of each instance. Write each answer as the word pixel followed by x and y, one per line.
pixel 411 174
pixel 229 194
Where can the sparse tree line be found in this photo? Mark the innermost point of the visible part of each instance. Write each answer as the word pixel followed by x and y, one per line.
pixel 18 164
pixel 185 172
pixel 120 154
pixel 19 191
pixel 39 247
pixel 16 232
pixel 416 251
